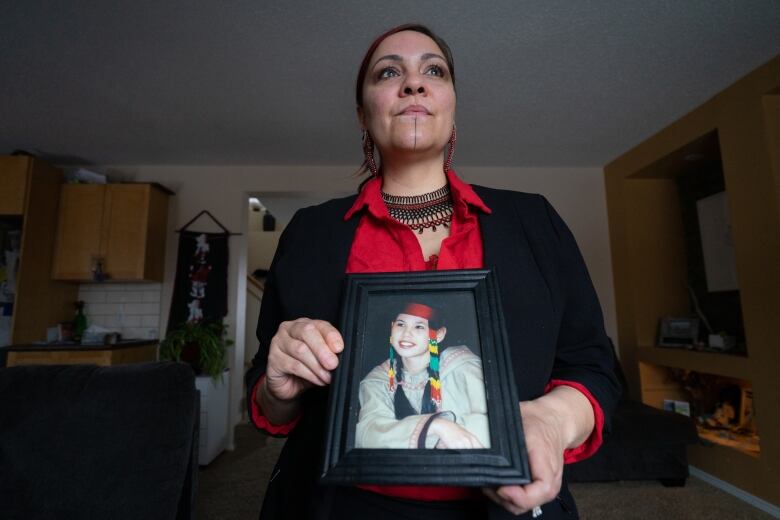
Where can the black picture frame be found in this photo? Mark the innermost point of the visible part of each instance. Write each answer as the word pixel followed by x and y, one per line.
pixel 463 292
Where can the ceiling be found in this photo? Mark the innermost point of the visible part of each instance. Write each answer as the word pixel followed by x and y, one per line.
pixel 540 83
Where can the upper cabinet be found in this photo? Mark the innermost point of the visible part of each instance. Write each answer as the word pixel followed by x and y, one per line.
pixel 78 231
pixel 14 170
pixel 115 229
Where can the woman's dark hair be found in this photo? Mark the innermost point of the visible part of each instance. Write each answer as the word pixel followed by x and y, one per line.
pixel 361 77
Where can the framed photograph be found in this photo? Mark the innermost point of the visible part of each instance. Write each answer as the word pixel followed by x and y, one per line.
pixel 424 392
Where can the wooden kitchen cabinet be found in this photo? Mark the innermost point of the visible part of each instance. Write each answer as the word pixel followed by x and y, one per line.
pixel 29 194
pixel 120 226
pixel 78 231
pixel 14 171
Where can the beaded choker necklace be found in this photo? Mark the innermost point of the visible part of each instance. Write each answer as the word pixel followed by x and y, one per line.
pixel 421 211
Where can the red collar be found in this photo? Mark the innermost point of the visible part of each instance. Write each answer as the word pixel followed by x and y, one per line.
pixel 370 197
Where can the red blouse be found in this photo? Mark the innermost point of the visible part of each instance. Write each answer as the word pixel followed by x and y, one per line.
pixel 401 251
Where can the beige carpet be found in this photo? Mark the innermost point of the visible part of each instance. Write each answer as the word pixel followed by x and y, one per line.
pixel 645 500
pixel 231 488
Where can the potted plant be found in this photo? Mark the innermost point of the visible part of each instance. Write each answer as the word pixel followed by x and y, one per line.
pixel 201 344
pixel 204 346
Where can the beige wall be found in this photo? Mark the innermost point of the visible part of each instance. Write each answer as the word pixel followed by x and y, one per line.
pixel 262 245
pixel 577 193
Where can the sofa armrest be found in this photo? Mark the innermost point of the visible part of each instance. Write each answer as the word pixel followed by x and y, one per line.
pixel 96 442
pixel 186 508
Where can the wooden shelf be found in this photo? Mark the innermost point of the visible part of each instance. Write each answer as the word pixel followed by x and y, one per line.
pixel 713 437
pixel 735 134
pixel 727 365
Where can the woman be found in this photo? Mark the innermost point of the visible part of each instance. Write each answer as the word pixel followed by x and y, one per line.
pixel 416 214
pixel 419 399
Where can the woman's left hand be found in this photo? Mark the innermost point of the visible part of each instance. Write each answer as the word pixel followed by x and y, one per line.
pixel 552 423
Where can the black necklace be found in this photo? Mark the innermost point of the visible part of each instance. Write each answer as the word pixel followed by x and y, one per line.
pixel 421 211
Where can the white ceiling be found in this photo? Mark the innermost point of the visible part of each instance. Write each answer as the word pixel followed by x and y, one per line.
pixel 540 83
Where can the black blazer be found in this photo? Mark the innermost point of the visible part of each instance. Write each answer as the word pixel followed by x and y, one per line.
pixel 554 322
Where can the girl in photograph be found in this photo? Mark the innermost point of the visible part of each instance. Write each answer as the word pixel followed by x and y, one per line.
pixel 423 396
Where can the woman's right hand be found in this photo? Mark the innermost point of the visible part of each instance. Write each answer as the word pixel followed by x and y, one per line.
pixel 302 354
pixel 453 436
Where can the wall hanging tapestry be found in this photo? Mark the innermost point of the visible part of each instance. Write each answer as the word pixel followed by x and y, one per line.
pixel 200 286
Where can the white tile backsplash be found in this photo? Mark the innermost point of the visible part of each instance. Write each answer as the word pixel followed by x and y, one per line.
pixel 138 309
pixel 150 321
pixel 104 309
pixel 133 309
pixel 151 296
pixel 109 287
pixel 131 321
pixel 92 296
pixel 125 297
pixel 109 322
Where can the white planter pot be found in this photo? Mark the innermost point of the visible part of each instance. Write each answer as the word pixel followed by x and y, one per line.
pixel 214 405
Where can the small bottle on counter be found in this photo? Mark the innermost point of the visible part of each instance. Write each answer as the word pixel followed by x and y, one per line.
pixel 79 321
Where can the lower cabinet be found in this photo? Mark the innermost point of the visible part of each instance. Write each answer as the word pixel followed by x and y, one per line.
pixel 140 351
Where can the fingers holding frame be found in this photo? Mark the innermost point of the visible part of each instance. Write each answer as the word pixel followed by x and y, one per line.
pixel 302 350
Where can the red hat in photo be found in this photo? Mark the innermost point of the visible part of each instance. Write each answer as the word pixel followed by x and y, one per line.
pixel 418 309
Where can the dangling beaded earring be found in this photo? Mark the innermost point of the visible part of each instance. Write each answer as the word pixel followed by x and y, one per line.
pixel 433 370
pixel 451 150
pixel 391 370
pixel 368 152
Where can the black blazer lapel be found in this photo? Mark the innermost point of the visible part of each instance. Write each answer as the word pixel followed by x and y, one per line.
pixel 340 240
pixel 499 239
pixel 525 296
pixel 314 274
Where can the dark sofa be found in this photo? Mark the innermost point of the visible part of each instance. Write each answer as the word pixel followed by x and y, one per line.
pixel 98 442
pixel 644 443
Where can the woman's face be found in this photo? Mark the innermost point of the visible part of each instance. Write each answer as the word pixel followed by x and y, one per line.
pixel 408 96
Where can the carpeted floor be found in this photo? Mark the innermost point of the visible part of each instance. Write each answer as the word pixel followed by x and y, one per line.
pixel 231 488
